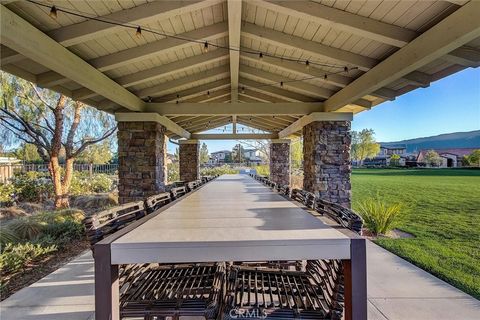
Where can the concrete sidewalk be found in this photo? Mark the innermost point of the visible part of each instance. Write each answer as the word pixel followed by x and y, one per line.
pixel 397 290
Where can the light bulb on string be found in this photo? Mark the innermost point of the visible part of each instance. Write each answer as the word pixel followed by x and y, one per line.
pixel 307 64
pixel 325 76
pixel 205 47
pixel 260 56
pixel 53 12
pixel 138 33
pixel 281 84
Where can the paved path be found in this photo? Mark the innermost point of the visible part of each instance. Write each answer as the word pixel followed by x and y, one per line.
pixel 397 290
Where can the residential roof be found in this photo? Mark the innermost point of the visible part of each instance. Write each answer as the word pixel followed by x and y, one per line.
pixel 459 152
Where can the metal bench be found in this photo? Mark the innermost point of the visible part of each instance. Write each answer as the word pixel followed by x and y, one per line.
pixel 285 190
pixel 157 201
pixel 305 197
pixel 106 222
pixel 343 216
pixel 178 192
pixel 150 291
pixel 317 293
pixel 192 185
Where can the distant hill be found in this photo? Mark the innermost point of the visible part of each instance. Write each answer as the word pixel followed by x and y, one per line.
pixel 469 139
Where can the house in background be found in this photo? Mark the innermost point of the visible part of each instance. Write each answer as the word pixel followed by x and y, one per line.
pixel 219 157
pixel 252 156
pixel 383 158
pixel 451 158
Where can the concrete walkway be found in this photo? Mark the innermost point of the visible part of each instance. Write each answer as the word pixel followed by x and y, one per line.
pixel 397 290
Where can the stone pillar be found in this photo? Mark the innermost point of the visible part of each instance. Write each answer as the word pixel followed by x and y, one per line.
pixel 189 160
pixel 326 160
pixel 141 160
pixel 280 162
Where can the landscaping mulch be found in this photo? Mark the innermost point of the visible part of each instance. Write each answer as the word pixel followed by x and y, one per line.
pixel 13 282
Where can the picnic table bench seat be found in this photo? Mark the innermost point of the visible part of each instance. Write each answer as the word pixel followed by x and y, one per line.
pixel 154 202
pixel 108 221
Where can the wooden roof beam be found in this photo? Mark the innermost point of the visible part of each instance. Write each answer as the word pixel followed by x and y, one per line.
pixel 234 25
pixel 21 36
pixel 196 109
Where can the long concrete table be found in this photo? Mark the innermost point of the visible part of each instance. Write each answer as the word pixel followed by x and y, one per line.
pixel 232 218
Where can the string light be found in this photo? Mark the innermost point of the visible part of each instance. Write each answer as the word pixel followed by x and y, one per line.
pixel 260 56
pixel 243 89
pixel 307 64
pixel 53 12
pixel 345 69
pixel 281 84
pixel 205 47
pixel 208 93
pixel 138 33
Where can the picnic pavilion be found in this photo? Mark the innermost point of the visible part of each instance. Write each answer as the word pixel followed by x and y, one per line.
pixel 174 69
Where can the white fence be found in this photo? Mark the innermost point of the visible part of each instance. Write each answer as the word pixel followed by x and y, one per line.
pixel 8 170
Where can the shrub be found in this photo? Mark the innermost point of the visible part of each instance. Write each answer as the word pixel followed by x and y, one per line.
pixel 262 170
pixel 378 217
pixel 218 171
pixel 94 201
pixel 32 186
pixel 7 236
pixel 83 183
pixel 6 192
pixel 60 216
pixel 62 232
pixel 16 256
pixel 25 228
pixel 173 173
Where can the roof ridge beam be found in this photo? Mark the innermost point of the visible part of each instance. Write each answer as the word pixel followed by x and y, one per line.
pixel 234 8
pixel 275 91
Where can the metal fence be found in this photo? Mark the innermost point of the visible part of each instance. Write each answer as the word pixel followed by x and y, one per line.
pixel 7 171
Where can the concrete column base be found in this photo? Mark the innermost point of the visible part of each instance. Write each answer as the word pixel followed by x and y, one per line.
pixel 189 152
pixel 141 160
pixel 280 162
pixel 326 164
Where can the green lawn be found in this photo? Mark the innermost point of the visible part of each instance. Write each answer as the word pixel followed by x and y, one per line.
pixel 442 211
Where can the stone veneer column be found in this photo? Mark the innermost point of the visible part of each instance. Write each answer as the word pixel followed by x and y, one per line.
pixel 141 160
pixel 280 162
pixel 326 160
pixel 189 160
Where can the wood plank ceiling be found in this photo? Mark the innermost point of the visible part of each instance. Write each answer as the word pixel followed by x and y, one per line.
pixel 143 73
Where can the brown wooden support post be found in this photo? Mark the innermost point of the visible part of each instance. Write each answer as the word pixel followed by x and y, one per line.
pixel 107 301
pixel 355 272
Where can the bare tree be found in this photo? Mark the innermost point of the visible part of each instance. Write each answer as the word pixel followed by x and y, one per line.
pixel 52 123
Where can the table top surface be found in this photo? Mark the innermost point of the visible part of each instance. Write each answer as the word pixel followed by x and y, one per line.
pixel 233 217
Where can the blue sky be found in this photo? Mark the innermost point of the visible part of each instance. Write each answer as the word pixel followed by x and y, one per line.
pixel 448 105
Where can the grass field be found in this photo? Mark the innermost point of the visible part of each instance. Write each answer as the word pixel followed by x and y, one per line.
pixel 441 209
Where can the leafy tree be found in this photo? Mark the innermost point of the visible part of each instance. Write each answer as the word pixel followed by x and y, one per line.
pixel 432 159
pixel 237 153
pixel 394 160
pixel 52 123
pixel 204 155
pixel 364 145
pixel 473 159
pixel 262 146
pixel 177 154
pixel 28 152
pixel 99 153
pixel 296 152
pixel 228 158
